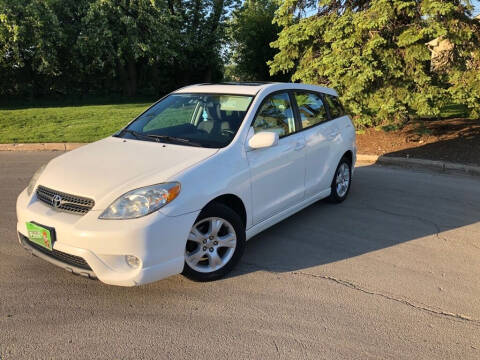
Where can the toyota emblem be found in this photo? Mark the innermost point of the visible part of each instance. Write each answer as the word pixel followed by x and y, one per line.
pixel 56 201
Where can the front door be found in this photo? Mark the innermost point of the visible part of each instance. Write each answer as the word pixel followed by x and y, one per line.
pixel 278 172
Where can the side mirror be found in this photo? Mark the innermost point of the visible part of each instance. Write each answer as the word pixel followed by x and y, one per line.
pixel 263 139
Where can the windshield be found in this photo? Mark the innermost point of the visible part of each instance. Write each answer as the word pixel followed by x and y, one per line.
pixel 207 120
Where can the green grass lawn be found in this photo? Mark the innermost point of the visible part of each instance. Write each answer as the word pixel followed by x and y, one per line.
pixel 89 122
pixel 65 124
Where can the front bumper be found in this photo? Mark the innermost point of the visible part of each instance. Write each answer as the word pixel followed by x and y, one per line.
pixel 74 264
pixel 156 239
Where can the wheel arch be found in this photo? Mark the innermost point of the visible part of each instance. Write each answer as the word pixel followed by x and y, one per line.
pixel 349 156
pixel 233 202
pixel 345 155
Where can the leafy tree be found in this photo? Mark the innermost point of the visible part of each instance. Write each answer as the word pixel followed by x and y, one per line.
pixel 374 53
pixel 103 46
pixel 205 37
pixel 251 31
pixel 121 36
pixel 160 44
pixel 70 77
pixel 29 34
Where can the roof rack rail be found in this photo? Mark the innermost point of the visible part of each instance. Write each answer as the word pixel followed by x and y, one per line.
pixel 247 83
pixel 240 83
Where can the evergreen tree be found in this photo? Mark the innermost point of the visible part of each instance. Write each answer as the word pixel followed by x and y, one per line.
pixel 375 54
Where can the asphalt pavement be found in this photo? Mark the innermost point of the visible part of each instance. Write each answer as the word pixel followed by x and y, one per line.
pixel 391 273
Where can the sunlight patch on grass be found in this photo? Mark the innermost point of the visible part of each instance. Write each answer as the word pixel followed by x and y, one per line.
pixel 65 124
pixel 454 111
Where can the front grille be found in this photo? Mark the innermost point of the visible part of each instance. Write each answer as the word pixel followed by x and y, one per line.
pixel 64 202
pixel 58 255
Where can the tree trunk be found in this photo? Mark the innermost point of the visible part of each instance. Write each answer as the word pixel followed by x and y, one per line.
pixel 207 75
pixel 155 78
pixel 123 78
pixel 128 77
pixel 132 77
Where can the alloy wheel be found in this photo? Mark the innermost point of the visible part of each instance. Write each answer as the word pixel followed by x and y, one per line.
pixel 342 180
pixel 210 244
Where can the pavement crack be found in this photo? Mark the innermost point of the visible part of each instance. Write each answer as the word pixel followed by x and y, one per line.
pixel 424 308
pixel 276 347
pixel 438 230
pixel 351 285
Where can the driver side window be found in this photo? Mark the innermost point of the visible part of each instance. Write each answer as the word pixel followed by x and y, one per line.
pixel 275 115
pixel 178 113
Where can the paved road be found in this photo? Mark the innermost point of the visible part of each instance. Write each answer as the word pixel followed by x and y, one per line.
pixel 392 273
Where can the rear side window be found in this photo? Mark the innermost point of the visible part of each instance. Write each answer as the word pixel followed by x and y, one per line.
pixel 311 109
pixel 334 105
pixel 276 115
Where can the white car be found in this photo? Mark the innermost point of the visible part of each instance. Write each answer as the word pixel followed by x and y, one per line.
pixel 186 184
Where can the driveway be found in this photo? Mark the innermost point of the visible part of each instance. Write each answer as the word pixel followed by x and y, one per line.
pixel 392 273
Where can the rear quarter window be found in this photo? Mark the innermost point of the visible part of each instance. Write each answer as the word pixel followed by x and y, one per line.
pixel 334 105
pixel 311 108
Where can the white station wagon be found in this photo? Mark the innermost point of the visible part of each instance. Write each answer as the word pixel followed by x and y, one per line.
pixel 186 184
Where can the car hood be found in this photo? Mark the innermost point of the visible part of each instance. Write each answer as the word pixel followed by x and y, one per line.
pixel 108 168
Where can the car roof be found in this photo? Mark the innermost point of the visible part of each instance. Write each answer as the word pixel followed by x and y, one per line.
pixel 250 88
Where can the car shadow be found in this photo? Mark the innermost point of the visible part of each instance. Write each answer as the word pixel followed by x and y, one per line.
pixel 386 207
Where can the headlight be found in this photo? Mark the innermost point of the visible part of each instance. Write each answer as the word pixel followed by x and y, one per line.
pixel 141 202
pixel 34 179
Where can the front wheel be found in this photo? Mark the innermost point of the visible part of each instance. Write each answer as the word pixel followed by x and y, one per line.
pixel 215 244
pixel 341 182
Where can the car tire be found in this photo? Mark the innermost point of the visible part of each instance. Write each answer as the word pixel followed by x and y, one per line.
pixel 215 243
pixel 342 180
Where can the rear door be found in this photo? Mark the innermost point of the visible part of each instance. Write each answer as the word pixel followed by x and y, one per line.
pixel 320 134
pixel 278 172
pixel 342 128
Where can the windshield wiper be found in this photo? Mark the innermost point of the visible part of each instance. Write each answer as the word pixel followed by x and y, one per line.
pixel 137 134
pixel 175 139
pixel 157 138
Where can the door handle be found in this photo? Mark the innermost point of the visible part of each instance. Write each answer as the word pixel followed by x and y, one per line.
pixel 333 134
pixel 299 145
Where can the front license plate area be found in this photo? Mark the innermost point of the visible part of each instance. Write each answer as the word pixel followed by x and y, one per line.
pixel 41 235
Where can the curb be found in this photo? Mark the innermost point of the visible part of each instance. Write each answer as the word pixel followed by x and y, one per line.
pixel 40 147
pixel 361 158
pixel 419 163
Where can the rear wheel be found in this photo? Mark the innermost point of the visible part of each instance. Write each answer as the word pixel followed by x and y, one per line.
pixel 341 182
pixel 215 244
